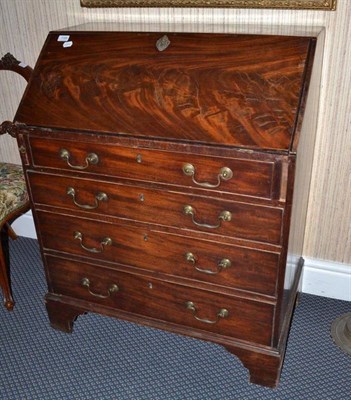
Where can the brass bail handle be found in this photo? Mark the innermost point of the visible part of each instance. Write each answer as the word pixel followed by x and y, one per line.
pixel 85 282
pixel 90 159
pixel 222 313
pixel 99 197
pixel 105 242
pixel 224 174
pixel 222 264
pixel 223 216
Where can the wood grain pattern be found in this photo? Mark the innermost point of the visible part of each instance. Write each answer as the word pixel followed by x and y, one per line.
pixel 159 251
pixel 25 25
pixel 250 177
pixel 75 93
pixel 62 318
pixel 181 93
pixel 157 299
pixel 252 222
pixel 123 206
pixel 264 365
pixel 32 19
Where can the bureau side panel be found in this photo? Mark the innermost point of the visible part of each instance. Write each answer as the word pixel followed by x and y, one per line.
pixel 304 148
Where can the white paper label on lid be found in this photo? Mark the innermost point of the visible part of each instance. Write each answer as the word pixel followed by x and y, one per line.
pixel 68 44
pixel 22 64
pixel 63 38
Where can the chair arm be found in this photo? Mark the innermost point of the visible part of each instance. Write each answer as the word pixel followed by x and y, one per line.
pixel 8 127
pixel 10 63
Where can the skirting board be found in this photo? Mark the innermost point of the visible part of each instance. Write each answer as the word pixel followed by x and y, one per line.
pixel 24 226
pixel 327 279
pixel 320 277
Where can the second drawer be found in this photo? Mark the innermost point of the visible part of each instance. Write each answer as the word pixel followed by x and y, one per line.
pixel 154 206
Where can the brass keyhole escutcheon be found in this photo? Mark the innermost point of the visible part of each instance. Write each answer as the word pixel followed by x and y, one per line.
pixel 162 43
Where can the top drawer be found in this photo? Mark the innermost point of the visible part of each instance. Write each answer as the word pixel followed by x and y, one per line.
pixel 232 175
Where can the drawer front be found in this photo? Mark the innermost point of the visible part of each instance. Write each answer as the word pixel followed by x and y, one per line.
pixel 186 257
pixel 225 315
pixel 240 176
pixel 211 215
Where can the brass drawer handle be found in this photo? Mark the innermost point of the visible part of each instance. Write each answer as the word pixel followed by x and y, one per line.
pixel 105 242
pixel 85 282
pixel 223 216
pixel 223 264
pixel 222 313
pixel 91 159
pixel 225 174
pixel 101 196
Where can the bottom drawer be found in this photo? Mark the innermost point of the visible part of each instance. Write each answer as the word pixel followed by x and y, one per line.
pixel 226 315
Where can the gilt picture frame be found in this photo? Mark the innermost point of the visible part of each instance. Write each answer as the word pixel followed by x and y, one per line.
pixel 327 5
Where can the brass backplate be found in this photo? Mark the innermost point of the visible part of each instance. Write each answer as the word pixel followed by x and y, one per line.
pixel 282 4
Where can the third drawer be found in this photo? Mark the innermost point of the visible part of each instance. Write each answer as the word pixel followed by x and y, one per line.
pixel 207 261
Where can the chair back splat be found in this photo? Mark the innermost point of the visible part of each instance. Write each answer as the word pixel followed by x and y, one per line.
pixel 13 193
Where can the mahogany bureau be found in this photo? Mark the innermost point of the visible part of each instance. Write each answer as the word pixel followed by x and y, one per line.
pixel 167 184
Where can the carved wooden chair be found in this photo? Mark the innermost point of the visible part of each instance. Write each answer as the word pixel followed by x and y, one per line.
pixel 13 194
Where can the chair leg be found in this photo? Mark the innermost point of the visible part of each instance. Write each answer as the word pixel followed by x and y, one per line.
pixel 11 232
pixel 4 269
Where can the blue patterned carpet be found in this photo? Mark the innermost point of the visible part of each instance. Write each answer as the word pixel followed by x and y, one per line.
pixel 109 359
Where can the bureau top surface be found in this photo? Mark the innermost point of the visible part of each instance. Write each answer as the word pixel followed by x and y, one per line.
pixel 237 90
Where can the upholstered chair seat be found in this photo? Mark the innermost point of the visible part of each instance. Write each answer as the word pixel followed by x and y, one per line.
pixel 13 193
pixel 13 202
